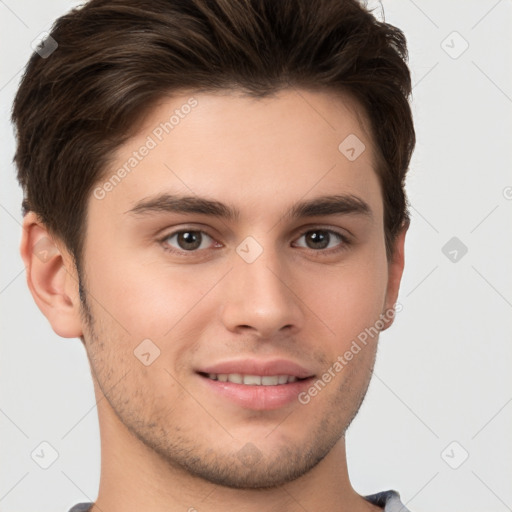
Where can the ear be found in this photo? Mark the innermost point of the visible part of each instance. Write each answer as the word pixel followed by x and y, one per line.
pixel 51 277
pixel 395 271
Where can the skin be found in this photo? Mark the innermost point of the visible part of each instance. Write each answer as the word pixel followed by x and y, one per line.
pixel 168 442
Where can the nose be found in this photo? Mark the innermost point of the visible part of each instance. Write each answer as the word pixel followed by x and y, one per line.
pixel 260 297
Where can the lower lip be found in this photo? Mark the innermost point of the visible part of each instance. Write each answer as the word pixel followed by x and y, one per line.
pixel 259 397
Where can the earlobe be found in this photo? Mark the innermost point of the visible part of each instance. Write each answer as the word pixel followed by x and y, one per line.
pixel 51 278
pixel 395 271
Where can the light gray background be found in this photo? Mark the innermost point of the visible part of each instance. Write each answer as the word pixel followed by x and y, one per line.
pixel 443 369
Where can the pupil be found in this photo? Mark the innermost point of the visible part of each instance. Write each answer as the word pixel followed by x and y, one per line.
pixel 319 237
pixel 189 240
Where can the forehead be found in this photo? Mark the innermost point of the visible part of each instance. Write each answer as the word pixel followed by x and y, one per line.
pixel 252 153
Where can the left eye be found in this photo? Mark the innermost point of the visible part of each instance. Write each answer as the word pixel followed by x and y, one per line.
pixel 321 239
pixel 188 240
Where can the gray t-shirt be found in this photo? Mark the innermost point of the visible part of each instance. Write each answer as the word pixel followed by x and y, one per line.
pixel 390 500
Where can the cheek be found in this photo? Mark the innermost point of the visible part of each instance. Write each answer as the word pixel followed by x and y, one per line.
pixel 348 299
pixel 148 298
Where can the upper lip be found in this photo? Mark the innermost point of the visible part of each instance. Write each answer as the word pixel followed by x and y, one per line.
pixel 258 367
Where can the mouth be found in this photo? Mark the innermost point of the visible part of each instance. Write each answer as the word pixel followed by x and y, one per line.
pixel 255 384
pixel 253 380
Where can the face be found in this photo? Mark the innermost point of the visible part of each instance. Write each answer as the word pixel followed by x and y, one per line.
pixel 227 270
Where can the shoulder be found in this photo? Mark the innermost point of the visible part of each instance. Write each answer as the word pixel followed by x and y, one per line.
pixel 389 500
pixel 81 507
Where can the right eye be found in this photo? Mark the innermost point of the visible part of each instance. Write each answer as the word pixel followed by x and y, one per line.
pixel 186 240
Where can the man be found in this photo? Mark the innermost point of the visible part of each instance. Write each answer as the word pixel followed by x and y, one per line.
pixel 215 206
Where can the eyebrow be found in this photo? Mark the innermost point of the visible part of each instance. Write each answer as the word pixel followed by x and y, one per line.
pixel 340 204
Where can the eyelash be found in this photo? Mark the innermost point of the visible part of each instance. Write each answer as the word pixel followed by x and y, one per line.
pixel 345 242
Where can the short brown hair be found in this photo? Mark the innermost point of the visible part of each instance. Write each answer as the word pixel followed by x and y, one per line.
pixel 116 58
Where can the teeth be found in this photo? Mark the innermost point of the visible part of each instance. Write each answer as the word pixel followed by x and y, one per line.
pixel 253 380
pixel 235 378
